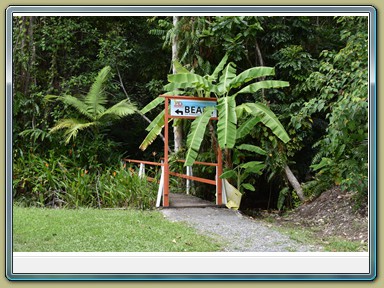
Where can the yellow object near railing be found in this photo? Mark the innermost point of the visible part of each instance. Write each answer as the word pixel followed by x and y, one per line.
pixel 232 194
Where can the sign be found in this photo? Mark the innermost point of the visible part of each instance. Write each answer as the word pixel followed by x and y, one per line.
pixel 191 108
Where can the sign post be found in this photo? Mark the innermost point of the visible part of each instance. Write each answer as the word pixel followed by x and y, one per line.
pixel 188 108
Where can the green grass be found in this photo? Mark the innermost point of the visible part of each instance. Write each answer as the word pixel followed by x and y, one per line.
pixel 94 230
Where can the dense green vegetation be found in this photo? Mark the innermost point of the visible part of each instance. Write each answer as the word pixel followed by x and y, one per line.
pixel 324 110
pixel 95 230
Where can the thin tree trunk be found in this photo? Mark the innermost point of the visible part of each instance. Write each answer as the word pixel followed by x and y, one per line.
pixel 295 184
pixel 261 61
pixel 177 129
pixel 142 115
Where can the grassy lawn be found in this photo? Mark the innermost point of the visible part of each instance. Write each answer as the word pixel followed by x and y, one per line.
pixel 93 230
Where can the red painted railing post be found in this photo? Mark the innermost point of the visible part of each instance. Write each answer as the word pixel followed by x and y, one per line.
pixel 219 200
pixel 166 164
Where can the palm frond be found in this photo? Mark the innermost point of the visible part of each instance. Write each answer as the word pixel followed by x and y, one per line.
pixel 96 99
pixel 121 109
pixel 76 103
pixel 72 127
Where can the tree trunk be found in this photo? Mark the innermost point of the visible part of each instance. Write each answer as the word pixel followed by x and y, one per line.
pixel 142 115
pixel 177 129
pixel 295 184
pixel 261 62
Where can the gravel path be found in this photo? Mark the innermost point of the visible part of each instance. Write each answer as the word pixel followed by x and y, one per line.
pixel 237 232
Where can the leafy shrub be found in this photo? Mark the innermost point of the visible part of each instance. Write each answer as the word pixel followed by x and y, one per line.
pixel 57 182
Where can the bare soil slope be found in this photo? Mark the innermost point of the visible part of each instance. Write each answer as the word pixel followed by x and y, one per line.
pixel 332 214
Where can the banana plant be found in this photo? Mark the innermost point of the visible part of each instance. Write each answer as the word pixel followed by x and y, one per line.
pixel 225 85
pixel 243 170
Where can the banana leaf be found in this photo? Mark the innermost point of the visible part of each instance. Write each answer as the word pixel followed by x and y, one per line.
pixel 228 74
pixel 196 135
pixel 154 129
pixel 159 121
pixel 246 127
pixel 269 119
pixel 267 84
pixel 187 80
pixel 250 74
pixel 226 126
pixel 154 103
pixel 218 69
pixel 253 166
pixel 252 148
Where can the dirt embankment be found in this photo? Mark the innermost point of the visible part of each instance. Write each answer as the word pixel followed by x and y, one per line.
pixel 332 214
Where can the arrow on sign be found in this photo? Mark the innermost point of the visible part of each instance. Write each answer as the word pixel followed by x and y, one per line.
pixel 179 112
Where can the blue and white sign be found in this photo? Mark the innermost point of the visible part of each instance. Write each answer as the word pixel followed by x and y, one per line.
pixel 191 108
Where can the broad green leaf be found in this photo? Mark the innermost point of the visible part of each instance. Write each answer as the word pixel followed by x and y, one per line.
pixel 226 126
pixel 228 74
pixel 187 80
pixel 252 148
pixel 267 84
pixel 180 68
pixel 228 174
pixel 196 135
pixel 248 186
pixel 218 69
pixel 253 166
pixel 269 119
pixel 246 127
pixel 250 74
pixel 159 121
pixel 154 103
pixel 151 136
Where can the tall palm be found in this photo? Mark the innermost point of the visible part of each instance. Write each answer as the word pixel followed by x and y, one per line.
pixel 92 108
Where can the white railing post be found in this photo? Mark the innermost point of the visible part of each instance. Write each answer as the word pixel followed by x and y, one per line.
pixel 141 170
pixel 189 182
pixel 161 187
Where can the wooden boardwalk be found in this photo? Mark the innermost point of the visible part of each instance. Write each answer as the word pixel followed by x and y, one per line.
pixel 179 200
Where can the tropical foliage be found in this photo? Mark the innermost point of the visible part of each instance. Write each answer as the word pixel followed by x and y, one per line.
pixel 92 107
pixel 315 129
pixel 219 84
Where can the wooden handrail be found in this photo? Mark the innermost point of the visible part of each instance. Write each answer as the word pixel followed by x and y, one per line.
pixel 197 162
pixel 208 181
pixel 144 162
